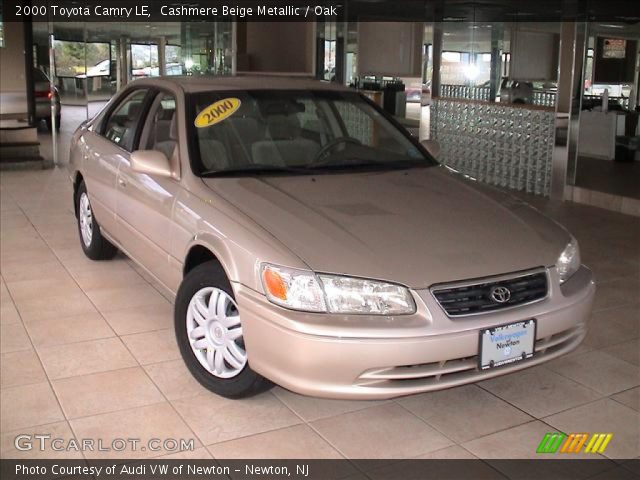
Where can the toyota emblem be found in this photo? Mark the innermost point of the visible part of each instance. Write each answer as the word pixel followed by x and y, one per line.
pixel 500 294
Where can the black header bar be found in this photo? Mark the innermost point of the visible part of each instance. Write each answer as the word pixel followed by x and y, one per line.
pixel 158 469
pixel 624 11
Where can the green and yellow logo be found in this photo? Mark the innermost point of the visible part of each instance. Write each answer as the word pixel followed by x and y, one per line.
pixel 562 443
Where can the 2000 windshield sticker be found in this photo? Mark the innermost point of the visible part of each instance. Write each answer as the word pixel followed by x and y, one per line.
pixel 217 112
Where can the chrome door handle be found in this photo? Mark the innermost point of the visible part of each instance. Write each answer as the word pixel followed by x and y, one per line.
pixel 122 182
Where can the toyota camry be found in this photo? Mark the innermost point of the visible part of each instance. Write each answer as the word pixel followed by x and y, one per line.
pixel 311 242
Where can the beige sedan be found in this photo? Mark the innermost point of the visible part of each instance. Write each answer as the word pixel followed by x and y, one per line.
pixel 312 242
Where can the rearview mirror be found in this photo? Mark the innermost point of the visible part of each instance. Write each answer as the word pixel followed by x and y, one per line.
pixel 432 146
pixel 150 162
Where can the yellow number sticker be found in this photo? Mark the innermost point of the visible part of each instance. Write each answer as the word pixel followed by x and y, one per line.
pixel 217 112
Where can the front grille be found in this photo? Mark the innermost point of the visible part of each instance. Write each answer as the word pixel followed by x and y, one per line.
pixel 475 298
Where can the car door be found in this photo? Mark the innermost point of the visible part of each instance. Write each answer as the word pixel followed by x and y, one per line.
pixel 145 202
pixel 103 150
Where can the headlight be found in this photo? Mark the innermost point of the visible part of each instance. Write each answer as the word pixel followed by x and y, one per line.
pixel 568 261
pixel 304 290
pixel 357 295
pixel 292 288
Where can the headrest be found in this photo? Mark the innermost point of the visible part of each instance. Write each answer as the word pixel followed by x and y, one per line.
pixel 315 125
pixel 134 111
pixel 282 107
pixel 248 128
pixel 173 128
pixel 283 127
pixel 165 113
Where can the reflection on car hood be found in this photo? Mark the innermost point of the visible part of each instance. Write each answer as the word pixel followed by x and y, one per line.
pixel 416 227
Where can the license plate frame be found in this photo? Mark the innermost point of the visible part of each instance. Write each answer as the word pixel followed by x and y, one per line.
pixel 518 344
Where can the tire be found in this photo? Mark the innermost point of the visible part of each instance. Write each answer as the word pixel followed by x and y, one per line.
pixel 94 245
pixel 211 337
pixel 49 126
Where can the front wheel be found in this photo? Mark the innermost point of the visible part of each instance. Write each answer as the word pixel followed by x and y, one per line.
pixel 94 245
pixel 210 334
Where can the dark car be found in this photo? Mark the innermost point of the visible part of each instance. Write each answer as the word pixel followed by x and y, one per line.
pixel 43 93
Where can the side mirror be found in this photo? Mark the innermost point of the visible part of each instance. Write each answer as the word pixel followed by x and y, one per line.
pixel 432 146
pixel 151 162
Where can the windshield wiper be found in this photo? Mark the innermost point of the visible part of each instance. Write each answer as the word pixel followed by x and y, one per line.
pixel 249 170
pixel 356 164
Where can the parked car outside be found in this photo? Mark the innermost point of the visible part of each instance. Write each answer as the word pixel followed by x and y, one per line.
pixel 311 242
pixel 170 69
pixel 43 93
pixel 514 91
pixel 105 68
pixel 418 92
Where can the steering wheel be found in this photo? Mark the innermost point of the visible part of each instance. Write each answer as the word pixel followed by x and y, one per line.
pixel 330 146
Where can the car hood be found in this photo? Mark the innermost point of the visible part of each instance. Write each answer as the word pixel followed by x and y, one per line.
pixel 415 227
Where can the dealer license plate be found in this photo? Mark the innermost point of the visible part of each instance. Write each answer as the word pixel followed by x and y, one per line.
pixel 507 344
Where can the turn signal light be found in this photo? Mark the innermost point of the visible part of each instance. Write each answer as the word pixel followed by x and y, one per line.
pixel 274 283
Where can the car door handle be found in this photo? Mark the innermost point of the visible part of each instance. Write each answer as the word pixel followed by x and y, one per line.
pixel 122 182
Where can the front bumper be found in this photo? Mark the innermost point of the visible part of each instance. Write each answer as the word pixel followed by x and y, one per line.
pixel 368 357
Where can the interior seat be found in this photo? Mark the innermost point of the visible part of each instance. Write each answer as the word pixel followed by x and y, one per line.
pixel 129 124
pixel 213 154
pixel 168 143
pixel 243 133
pixel 286 147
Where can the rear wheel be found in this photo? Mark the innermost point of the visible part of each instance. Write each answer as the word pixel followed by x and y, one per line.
pixel 209 332
pixel 50 126
pixel 94 245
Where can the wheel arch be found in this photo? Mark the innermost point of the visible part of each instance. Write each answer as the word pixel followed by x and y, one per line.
pixel 205 248
pixel 77 180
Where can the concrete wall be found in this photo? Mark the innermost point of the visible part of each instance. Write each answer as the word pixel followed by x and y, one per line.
pixel 280 47
pixel 13 87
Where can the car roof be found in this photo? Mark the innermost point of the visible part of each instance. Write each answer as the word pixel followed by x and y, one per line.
pixel 205 83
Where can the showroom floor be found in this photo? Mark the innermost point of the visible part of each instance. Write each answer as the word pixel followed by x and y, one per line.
pixel 88 352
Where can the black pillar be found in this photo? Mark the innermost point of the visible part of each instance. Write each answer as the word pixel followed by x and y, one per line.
pixel 28 70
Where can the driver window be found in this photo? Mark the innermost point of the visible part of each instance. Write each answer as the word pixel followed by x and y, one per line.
pixel 123 122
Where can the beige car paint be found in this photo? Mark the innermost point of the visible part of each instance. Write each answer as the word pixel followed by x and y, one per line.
pixel 448 230
pixel 418 228
pixel 100 160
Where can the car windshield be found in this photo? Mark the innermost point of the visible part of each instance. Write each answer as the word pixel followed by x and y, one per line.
pixel 259 132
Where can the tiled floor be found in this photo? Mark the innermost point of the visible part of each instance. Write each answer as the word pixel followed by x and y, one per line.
pixel 87 351
pixel 619 178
